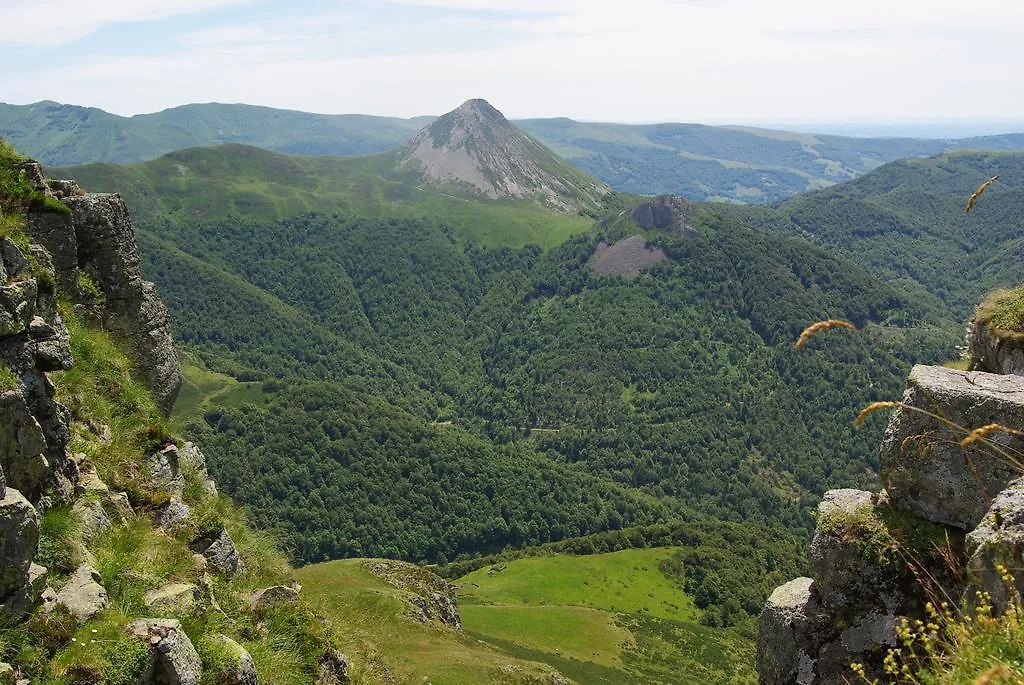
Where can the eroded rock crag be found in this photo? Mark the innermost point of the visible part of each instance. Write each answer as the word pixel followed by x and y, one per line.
pixel 879 558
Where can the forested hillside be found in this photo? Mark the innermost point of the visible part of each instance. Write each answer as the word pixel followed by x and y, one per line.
pixel 906 222
pixel 410 392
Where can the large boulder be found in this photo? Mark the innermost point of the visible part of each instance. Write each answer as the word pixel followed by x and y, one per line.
pixel 924 468
pixel 84 595
pixel 174 659
pixel 19 535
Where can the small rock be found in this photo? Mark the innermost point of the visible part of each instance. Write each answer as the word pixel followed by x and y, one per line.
pixel 173 598
pixel 278 595
pixel 174 513
pixel 219 550
pixel 92 519
pixel 175 659
pixel 37 577
pixel 83 595
pixel 6 674
pixel 333 669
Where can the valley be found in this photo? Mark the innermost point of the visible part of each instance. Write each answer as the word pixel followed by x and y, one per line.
pixel 580 406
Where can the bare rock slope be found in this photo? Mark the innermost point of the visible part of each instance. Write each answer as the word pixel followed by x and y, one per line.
pixel 476 149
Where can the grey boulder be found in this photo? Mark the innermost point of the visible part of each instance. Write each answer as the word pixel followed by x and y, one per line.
pixel 83 595
pixel 924 469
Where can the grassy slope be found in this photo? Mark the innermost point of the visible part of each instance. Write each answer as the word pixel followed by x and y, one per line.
pixel 211 183
pixel 602 618
pixel 394 648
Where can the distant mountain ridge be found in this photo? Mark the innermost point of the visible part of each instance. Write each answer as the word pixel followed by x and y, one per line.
pixel 476 147
pixel 736 164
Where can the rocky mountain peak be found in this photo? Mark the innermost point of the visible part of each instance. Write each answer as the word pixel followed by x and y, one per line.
pixel 477 149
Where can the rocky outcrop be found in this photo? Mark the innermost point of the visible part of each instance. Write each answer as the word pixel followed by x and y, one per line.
pixel 430 596
pixel 170 466
pixel 97 238
pixel 34 431
pixel 994 351
pixel 173 658
pixel 107 251
pixel 19 534
pixel 877 559
pixel 665 213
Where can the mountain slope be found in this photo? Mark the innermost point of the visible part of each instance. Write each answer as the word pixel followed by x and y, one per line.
pixel 731 163
pixel 67 134
pixel 700 162
pixel 475 147
pixel 207 184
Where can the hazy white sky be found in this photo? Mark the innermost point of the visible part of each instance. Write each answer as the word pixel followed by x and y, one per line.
pixel 613 60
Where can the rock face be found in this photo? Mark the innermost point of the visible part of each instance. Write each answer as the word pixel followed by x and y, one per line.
pixel 34 430
pixel 924 469
pixel 665 213
pixel 876 559
pixel 994 351
pixel 628 257
pixel 174 659
pixel 476 148
pixel 107 251
pixel 998 541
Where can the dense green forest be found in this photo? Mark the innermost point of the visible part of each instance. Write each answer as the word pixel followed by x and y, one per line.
pixel 588 402
pixel 406 390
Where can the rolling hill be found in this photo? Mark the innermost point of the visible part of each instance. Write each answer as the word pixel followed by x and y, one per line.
pixel 737 164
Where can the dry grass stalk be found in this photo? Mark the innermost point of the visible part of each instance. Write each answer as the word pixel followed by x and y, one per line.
pixel 996 674
pixel 820 326
pixel 985 431
pixel 873 407
pixel 979 192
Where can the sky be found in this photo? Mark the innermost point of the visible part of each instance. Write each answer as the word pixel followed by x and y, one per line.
pixel 708 61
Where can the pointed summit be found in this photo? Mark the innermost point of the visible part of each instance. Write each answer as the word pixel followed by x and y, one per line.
pixel 477 149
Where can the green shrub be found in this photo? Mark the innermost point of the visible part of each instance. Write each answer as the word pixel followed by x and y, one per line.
pixel 8 381
pixel 126 660
pixel 89 287
pixel 57 532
